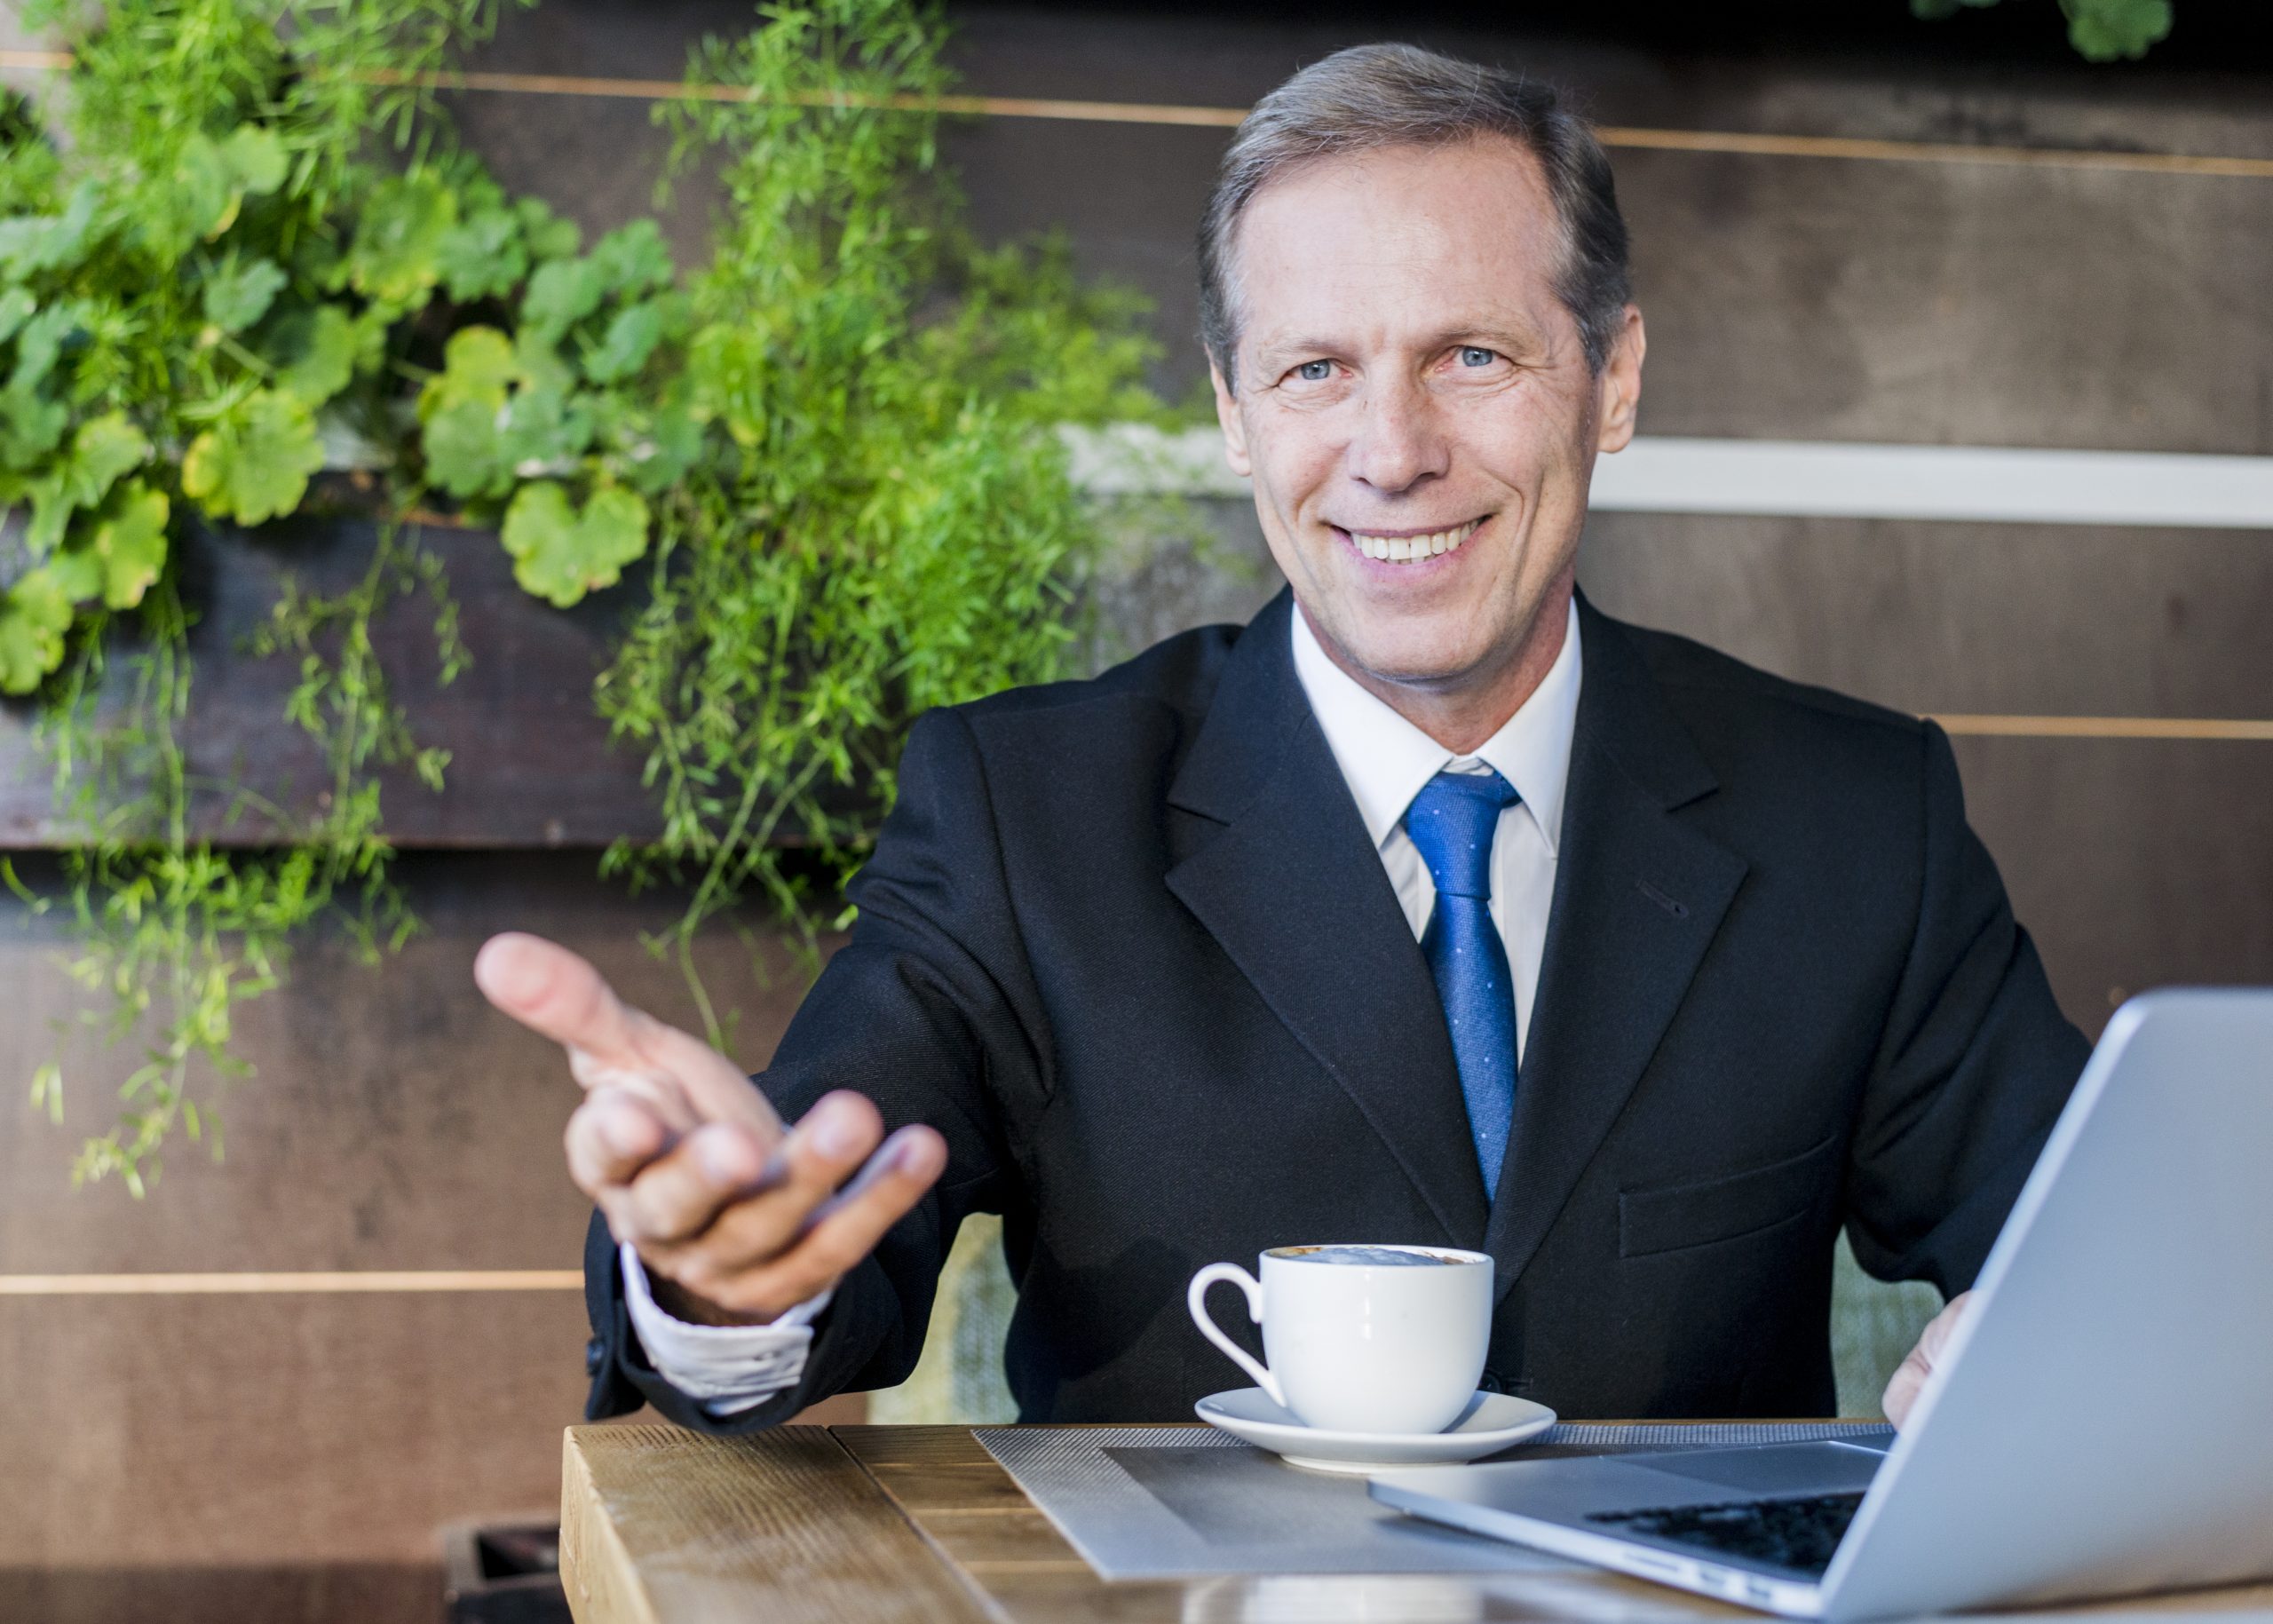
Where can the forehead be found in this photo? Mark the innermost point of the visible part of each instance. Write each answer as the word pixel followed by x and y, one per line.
pixel 1457 235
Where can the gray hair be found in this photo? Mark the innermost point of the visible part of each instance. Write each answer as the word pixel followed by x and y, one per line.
pixel 1371 96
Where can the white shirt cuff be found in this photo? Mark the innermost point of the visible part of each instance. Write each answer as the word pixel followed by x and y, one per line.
pixel 725 1368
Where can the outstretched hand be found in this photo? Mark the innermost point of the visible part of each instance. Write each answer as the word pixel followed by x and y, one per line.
pixel 688 1161
pixel 1909 1376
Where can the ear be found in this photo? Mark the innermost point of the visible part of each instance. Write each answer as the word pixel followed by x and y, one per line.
pixel 1618 401
pixel 1227 418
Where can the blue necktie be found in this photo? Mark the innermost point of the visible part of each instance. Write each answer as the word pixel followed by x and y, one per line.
pixel 1451 822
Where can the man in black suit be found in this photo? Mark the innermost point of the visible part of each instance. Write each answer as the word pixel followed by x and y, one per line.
pixel 1433 905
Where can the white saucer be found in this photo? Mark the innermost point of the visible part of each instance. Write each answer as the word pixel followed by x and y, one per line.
pixel 1491 1422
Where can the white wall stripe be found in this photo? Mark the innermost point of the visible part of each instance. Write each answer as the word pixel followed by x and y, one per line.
pixel 1975 483
pixel 1668 474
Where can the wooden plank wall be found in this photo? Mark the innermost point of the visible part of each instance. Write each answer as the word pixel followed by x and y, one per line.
pixel 287 1456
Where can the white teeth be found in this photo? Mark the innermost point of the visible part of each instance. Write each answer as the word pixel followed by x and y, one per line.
pixel 1405 549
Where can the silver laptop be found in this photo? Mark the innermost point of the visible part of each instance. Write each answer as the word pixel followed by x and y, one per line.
pixel 2102 1423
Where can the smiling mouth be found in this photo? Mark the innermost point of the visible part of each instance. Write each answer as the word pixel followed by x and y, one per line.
pixel 1411 549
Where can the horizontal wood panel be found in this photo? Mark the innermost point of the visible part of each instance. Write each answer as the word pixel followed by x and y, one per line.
pixel 396 1121
pixel 202 1593
pixel 2133 864
pixel 1788 297
pixel 2033 620
pixel 255 1431
pixel 531 761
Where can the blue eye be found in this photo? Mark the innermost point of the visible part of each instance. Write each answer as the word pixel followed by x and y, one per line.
pixel 1477 355
pixel 1315 371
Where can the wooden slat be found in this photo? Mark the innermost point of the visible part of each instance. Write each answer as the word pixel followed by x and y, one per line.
pixel 1080 110
pixel 661 1526
pixel 289 1284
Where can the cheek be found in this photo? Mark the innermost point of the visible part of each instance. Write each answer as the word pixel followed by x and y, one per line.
pixel 1287 464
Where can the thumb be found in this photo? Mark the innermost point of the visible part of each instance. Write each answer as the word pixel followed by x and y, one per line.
pixel 1909 1378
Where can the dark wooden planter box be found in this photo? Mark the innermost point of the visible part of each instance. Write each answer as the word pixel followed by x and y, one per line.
pixel 530 761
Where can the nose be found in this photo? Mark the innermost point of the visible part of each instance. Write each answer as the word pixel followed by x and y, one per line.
pixel 1398 442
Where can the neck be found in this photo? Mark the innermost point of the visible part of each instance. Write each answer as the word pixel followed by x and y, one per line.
pixel 1462 714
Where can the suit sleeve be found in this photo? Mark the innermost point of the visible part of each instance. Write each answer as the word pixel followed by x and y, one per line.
pixel 1973 1065
pixel 929 1010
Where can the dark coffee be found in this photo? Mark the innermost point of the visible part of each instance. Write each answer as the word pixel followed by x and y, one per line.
pixel 1373 1256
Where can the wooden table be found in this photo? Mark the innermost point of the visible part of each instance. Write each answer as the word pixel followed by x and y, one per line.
pixel 807 1524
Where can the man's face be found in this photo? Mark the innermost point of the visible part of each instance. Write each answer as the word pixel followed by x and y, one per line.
pixel 1406 371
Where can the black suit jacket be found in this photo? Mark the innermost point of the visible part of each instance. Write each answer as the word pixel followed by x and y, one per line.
pixel 1126 943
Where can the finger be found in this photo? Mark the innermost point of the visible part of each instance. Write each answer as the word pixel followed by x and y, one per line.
pixel 557 993
pixel 847 1231
pixel 554 991
pixel 610 1137
pixel 678 1195
pixel 1935 1340
pixel 1902 1389
pixel 830 1144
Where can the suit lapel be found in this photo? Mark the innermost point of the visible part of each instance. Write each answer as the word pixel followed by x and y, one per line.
pixel 1638 896
pixel 1282 874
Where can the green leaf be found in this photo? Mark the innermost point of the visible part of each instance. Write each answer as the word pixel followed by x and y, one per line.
pixel 396 257
pixel 254 158
pixel 32 243
pixel 477 365
pixel 239 291
pixel 549 237
pixel 15 305
pixel 34 616
pixel 104 448
pixel 559 554
pixel 118 556
pixel 633 334
pixel 2108 30
pixel 39 341
pixel 483 256
pixel 317 351
pixel 30 427
pixel 658 459
pixel 197 198
pixel 633 258
pixel 464 453
pixel 255 464
pixel 729 370
pixel 541 428
pixel 560 294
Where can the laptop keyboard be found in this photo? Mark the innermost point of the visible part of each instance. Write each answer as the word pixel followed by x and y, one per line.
pixel 1799 1535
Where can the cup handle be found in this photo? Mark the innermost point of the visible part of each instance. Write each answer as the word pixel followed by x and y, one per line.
pixel 1195 1298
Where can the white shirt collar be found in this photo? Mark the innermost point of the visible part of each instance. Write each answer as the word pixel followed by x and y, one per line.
pixel 1386 759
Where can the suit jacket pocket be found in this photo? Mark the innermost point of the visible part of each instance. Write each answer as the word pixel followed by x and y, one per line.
pixel 1701 1211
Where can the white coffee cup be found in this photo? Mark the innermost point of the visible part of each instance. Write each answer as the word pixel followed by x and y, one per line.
pixel 1357 1343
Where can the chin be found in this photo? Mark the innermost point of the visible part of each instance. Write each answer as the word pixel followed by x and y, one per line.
pixel 1420 654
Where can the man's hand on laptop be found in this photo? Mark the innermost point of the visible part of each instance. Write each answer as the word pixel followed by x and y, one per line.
pixel 737 1218
pixel 1910 1375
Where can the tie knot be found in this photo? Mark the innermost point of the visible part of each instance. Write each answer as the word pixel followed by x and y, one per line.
pixel 1451 822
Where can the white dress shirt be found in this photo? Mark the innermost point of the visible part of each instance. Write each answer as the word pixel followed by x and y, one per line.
pixel 1385 760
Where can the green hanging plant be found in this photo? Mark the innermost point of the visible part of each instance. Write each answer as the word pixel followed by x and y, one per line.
pixel 831 458
pixel 2100 30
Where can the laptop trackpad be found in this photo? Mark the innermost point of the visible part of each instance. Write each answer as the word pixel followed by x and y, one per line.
pixel 1774 1469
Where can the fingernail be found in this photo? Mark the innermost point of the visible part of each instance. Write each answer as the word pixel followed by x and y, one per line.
pixel 908 1155
pixel 838 1136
